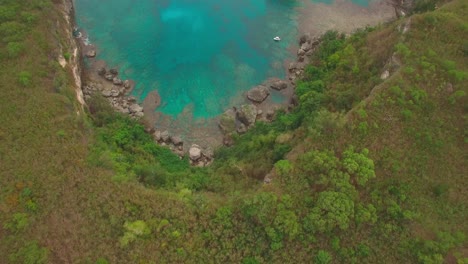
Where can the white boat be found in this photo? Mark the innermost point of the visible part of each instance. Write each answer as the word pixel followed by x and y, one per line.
pixel 276 38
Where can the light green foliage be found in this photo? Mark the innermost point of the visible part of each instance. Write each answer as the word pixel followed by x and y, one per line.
pixel 286 221
pixel 333 210
pixel 31 253
pixel 359 165
pixel 134 230
pixel 365 214
pixel 18 222
pixel 24 78
pixel 322 257
pixel 283 167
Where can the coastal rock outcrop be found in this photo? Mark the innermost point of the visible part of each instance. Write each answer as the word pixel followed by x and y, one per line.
pixel 227 122
pixel 278 84
pixel 195 152
pixel 258 94
pixel 247 114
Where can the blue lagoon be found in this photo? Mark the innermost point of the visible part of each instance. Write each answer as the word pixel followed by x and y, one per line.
pixel 199 55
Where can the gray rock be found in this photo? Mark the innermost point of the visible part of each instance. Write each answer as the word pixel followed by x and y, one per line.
pixel 139 114
pixel 109 76
pixel 115 92
pixel 270 114
pixel 165 136
pixel 91 54
pixel 292 66
pixel 208 153
pixel 117 81
pixel 301 52
pixel 106 93
pixel 304 39
pixel 258 94
pixel 279 85
pixel 176 140
pixel 227 121
pixel 114 71
pixel 241 128
pixel 126 84
pixel 385 75
pixel 131 99
pixel 195 152
pixel 157 135
pixel 135 108
pixel 306 46
pixel 247 114
pixel 101 71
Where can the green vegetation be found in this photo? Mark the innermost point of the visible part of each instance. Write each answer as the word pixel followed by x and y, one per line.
pixel 364 170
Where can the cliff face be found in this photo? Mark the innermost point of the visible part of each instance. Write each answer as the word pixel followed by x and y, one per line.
pixel 70 46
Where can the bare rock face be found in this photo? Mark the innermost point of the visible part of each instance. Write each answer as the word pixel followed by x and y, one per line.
pixel 247 114
pixel 258 94
pixel 195 152
pixel 227 122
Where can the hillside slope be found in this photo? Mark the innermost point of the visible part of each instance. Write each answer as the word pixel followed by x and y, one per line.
pixel 364 170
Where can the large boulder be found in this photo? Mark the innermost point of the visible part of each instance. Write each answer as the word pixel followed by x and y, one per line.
pixel 278 84
pixel 176 140
pixel 101 71
pixel 247 114
pixel 258 94
pixel 165 136
pixel 195 152
pixel 117 81
pixel 135 108
pixel 208 153
pixel 157 135
pixel 91 54
pixel 114 71
pixel 109 76
pixel 227 122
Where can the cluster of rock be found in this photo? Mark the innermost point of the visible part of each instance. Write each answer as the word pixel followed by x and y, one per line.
pixel 115 91
pixel 307 47
pixel 197 155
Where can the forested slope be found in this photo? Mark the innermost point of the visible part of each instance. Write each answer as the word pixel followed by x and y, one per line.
pixel 364 170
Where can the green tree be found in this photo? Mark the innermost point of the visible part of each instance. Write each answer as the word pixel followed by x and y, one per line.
pixel 322 257
pixel 333 209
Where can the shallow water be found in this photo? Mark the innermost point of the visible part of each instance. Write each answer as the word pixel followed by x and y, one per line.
pixel 200 55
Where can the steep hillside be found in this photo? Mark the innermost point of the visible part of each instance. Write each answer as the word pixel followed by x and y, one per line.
pixel 369 168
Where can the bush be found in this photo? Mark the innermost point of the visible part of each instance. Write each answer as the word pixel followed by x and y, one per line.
pixel 24 78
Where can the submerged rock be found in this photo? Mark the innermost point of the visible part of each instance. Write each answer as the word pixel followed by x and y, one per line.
pixel 258 94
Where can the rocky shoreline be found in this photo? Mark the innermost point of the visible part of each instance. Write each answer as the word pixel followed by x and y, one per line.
pixel 236 120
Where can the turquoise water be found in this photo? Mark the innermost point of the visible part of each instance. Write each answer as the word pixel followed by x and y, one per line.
pixel 364 3
pixel 199 54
